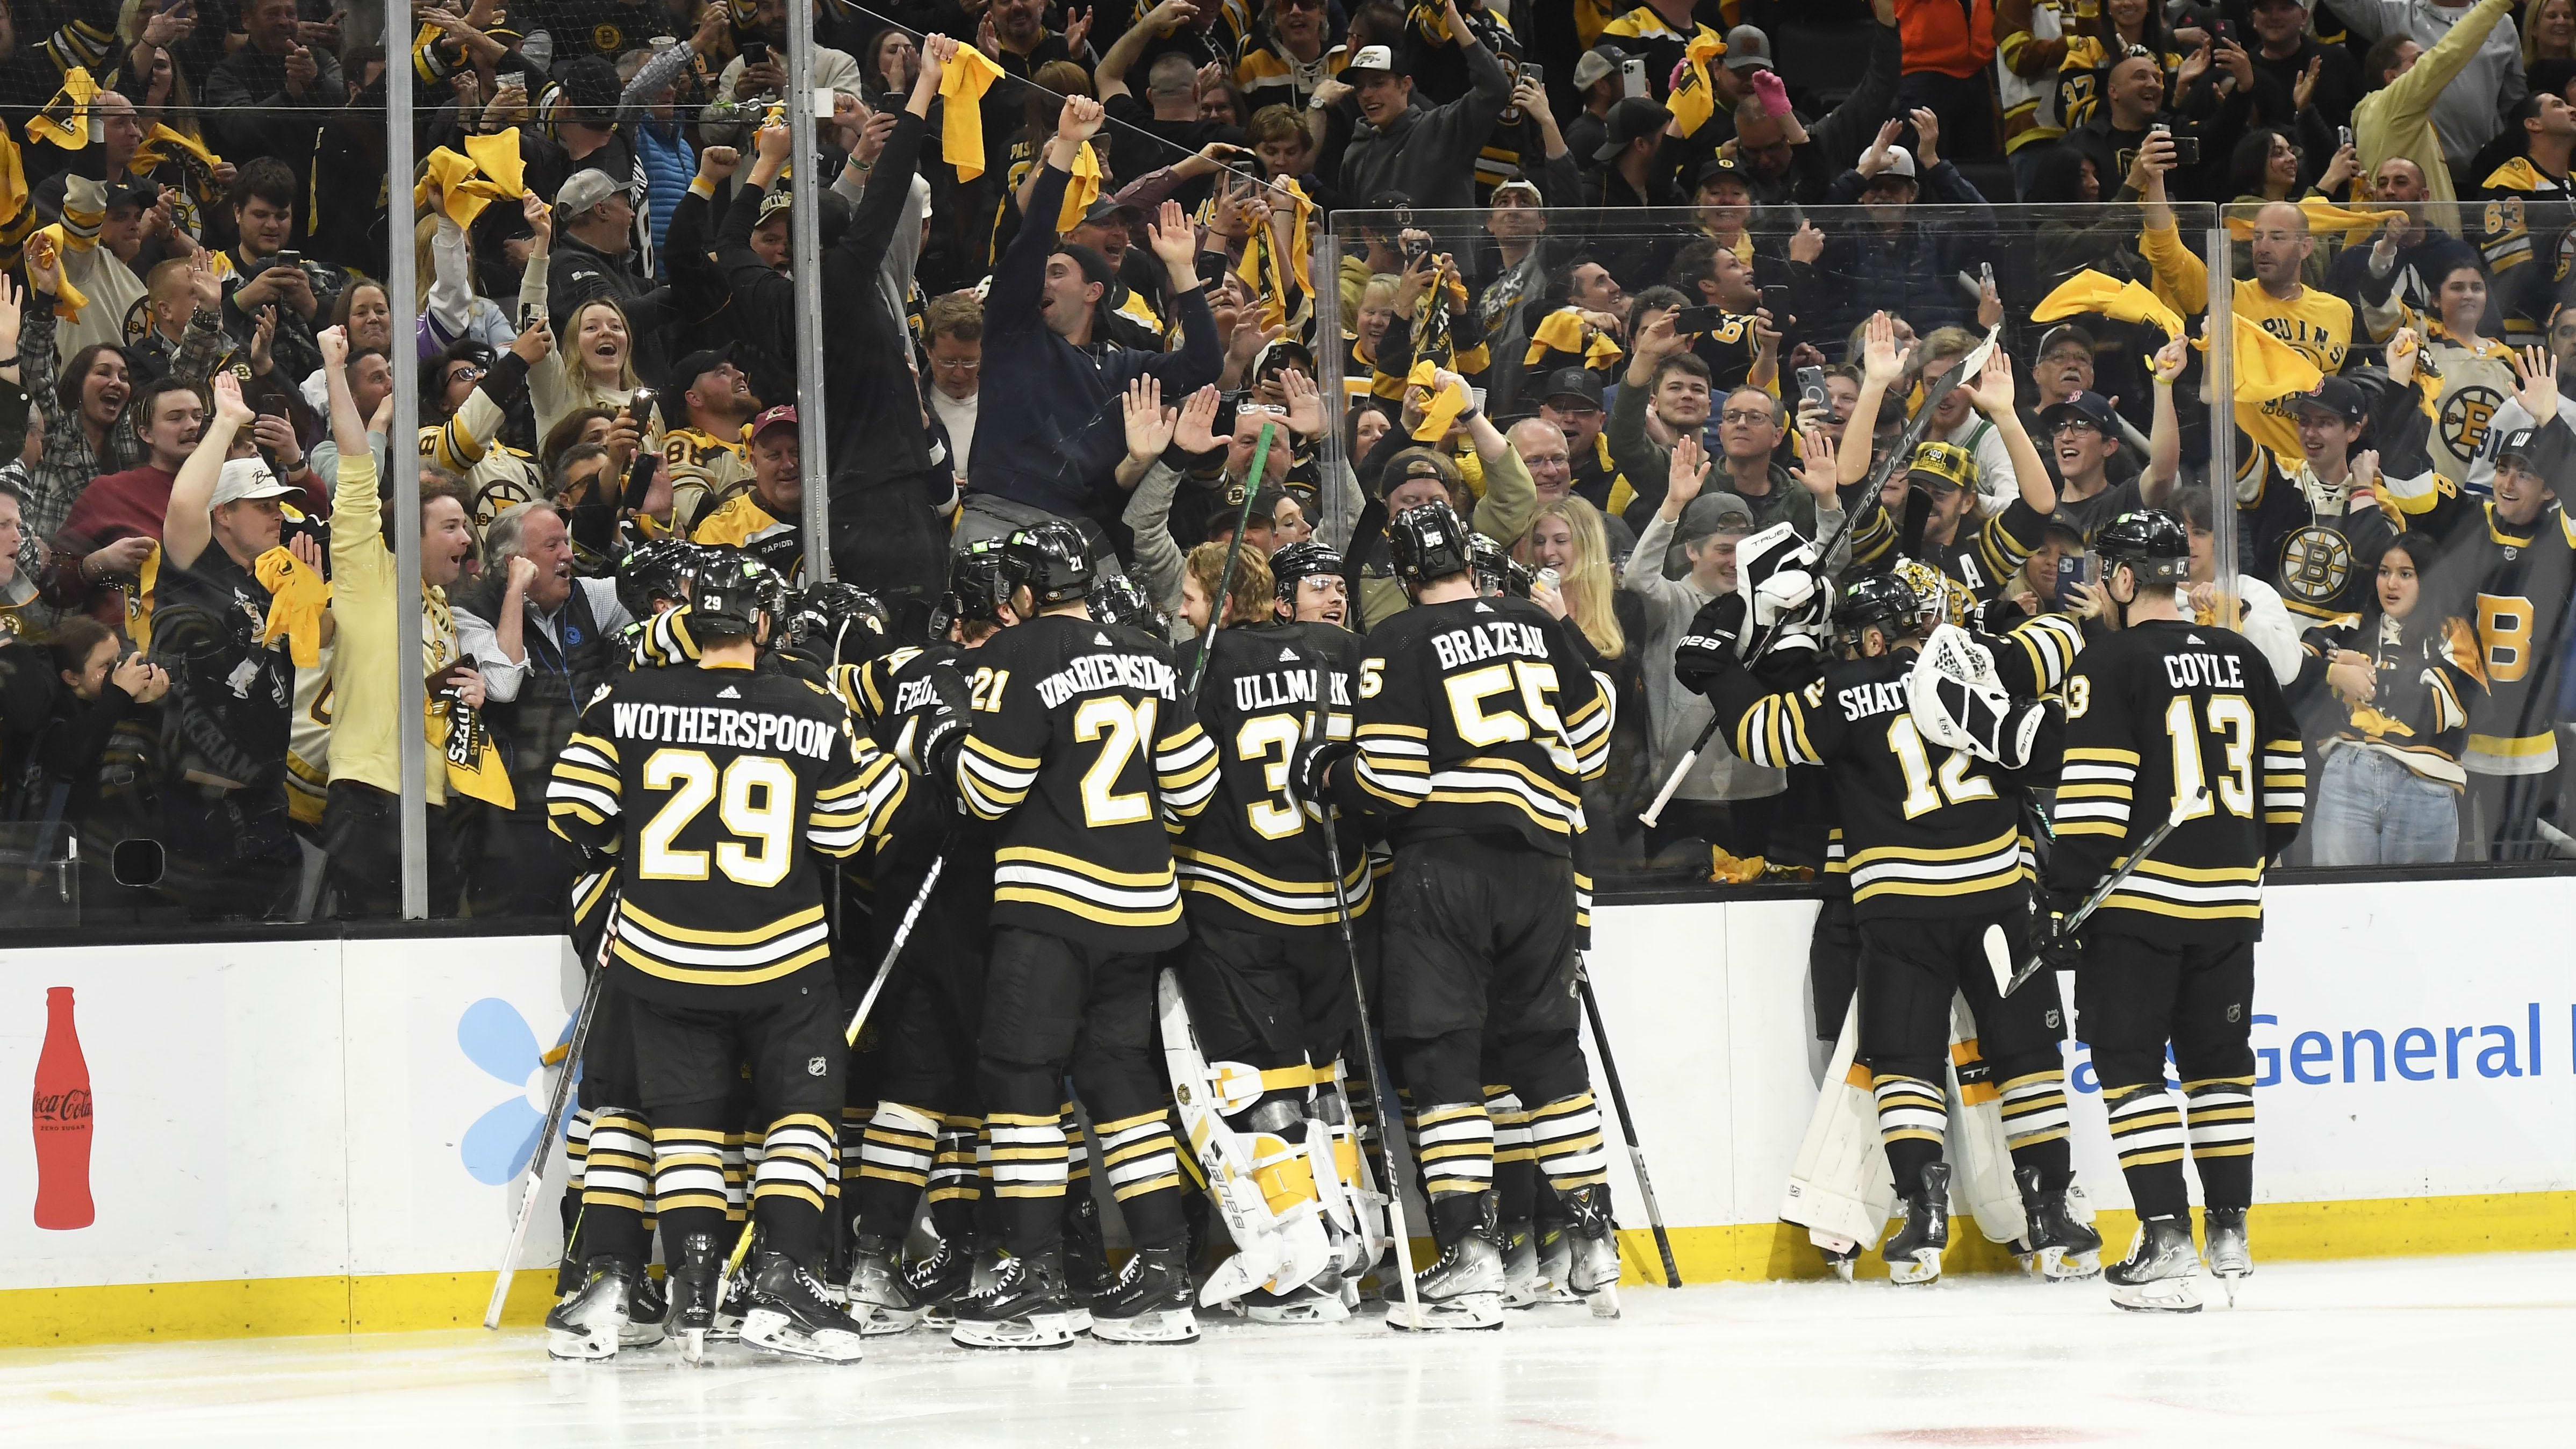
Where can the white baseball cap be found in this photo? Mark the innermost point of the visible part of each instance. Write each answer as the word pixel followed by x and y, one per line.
pixel 246 478
pixel 1372 57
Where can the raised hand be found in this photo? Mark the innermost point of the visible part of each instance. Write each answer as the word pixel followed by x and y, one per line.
pixel 1174 238
pixel 1079 121
pixel 1992 392
pixel 1149 423
pixel 335 345
pixel 1817 459
pixel 2171 359
pixel 230 410
pixel 532 345
pixel 1689 471
pixel 2537 388
pixel 1195 430
pixel 1880 361
pixel 1305 403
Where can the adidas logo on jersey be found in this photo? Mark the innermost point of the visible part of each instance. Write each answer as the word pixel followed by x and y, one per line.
pixel 1100 639
pixel 1483 608
pixel 728 692
pixel 1287 656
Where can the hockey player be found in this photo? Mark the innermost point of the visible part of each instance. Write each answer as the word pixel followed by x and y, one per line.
pixel 1265 976
pixel 1080 745
pixel 1310 583
pixel 1932 824
pixel 2165 713
pixel 921 1138
pixel 713 786
pixel 1476 726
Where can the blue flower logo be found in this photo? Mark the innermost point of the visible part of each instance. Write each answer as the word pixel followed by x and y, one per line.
pixel 496 1038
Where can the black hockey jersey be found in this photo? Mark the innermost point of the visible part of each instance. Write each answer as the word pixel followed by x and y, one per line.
pixel 1477 717
pixel 710 785
pixel 1081 744
pixel 1253 860
pixel 2512 581
pixel 1986 554
pixel 2154 713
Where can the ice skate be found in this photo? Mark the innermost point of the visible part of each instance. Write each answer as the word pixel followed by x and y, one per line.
pixel 2060 1248
pixel 646 1306
pixel 790 1314
pixel 1520 1265
pixel 2227 1254
pixel 1025 1306
pixel 1555 1264
pixel 592 1323
pixel 735 1307
pixel 1086 1257
pixel 1843 1261
pixel 2159 1275
pixel 1149 1302
pixel 1913 1253
pixel 692 1283
pixel 939 1280
pixel 1595 1240
pixel 880 1296
pixel 1464 1289
pixel 1319 1301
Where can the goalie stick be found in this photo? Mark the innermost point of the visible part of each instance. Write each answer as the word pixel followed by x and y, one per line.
pixel 561 1097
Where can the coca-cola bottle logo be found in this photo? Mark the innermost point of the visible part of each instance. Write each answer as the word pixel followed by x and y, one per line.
pixel 61 1121
pixel 63 1108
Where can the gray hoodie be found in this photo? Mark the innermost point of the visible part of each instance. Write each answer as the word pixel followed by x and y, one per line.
pixel 1429 152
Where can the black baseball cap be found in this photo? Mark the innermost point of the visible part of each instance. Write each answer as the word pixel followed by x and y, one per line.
pixel 686 372
pixel 1105 211
pixel 2087 407
pixel 1576 382
pixel 2339 396
pixel 1630 119
pixel 2522 446
pixel 1723 168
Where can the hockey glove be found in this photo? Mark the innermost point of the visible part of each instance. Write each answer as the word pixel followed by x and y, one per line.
pixel 1710 650
pixel 1310 768
pixel 929 741
pixel 2060 947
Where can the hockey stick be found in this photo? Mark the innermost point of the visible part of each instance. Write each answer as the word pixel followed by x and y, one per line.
pixel 1627 1126
pixel 858 1019
pixel 1673 781
pixel 1233 555
pixel 556 1101
pixel 1390 1114
pixel 2183 810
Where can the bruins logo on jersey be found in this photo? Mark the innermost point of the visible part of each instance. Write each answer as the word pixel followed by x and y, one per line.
pixel 2316 562
pixel 138 320
pixel 2468 414
pixel 607 39
pixel 499 494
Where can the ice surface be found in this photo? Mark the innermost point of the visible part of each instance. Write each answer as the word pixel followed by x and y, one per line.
pixel 2465 1351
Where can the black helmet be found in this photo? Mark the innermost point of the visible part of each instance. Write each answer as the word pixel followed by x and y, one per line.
pixel 976 588
pixel 1497 573
pixel 731 591
pixel 1427 542
pixel 1881 601
pixel 1118 599
pixel 836 623
pixel 1052 561
pixel 654 569
pixel 2150 541
pixel 1305 559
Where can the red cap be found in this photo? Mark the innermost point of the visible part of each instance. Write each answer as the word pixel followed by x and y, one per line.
pixel 783 413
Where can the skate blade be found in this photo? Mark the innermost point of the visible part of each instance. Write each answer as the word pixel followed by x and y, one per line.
pixel 643 1334
pixel 1925 1268
pixel 1163 1325
pixel 693 1345
pixel 775 1332
pixel 878 1321
pixel 1037 1331
pixel 2056 1265
pixel 1603 1301
pixel 1846 1269
pixel 2164 1295
pixel 2227 1284
pixel 586 1344
pixel 1467 1312
pixel 1316 1310
pixel 1551 1294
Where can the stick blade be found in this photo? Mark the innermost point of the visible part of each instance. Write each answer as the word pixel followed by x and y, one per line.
pixel 1999 959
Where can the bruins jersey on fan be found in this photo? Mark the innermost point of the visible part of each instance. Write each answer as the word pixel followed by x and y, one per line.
pixel 1478 717
pixel 707 472
pixel 1984 556
pixel 2316 324
pixel 1253 861
pixel 2513 581
pixel 2309 535
pixel 2155 714
pixel 710 785
pixel 745 524
pixel 1080 743
pixel 2521 231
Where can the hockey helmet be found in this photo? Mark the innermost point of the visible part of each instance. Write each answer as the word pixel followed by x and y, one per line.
pixel 1118 599
pixel 1052 560
pixel 2150 541
pixel 1940 598
pixel 837 623
pixel 1427 542
pixel 1877 601
pixel 1299 561
pixel 656 569
pixel 731 591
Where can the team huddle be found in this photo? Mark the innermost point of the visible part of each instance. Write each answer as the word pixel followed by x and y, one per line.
pixel 883 926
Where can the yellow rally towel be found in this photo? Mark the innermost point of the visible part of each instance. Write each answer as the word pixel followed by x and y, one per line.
pixel 1080 192
pixel 54 242
pixel 1444 407
pixel 138 599
pixel 1693 101
pixel 962 83
pixel 1261 267
pixel 163 144
pixel 296 598
pixel 2091 291
pixel 2323 217
pixel 70 128
pixel 13 176
pixel 480 773
pixel 489 170
pixel 1562 331
pixel 2266 366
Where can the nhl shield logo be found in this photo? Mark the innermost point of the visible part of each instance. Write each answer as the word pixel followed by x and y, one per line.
pixel 2235 1012
pixel 2052 1020
pixel 816 1066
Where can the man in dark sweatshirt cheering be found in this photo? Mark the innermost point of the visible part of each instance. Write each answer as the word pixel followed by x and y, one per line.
pixel 1055 448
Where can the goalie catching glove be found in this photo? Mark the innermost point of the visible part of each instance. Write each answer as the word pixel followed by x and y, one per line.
pixel 1957 700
